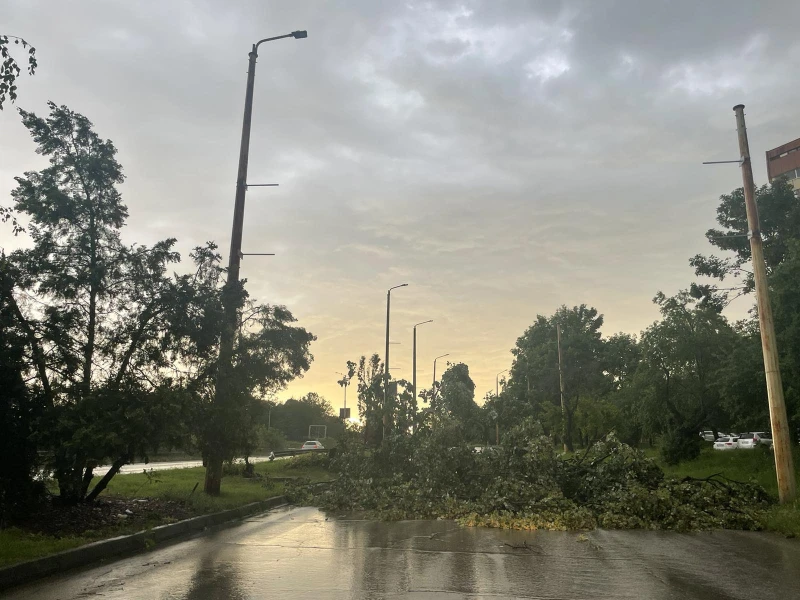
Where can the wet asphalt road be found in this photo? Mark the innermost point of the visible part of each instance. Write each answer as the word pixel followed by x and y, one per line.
pixel 296 553
pixel 163 466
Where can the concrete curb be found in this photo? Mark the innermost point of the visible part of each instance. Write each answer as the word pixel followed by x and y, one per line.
pixel 125 544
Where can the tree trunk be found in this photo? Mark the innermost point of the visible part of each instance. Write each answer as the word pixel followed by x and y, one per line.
pixel 101 485
pixel 213 475
pixel 88 352
pixel 87 479
pixel 70 479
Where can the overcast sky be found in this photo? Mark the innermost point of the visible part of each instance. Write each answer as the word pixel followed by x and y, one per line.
pixel 500 157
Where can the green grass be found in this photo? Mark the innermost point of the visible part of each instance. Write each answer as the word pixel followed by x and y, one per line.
pixel 174 484
pixel 17 546
pixel 742 465
pixel 746 465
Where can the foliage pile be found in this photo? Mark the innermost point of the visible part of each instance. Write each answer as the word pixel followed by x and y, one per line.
pixel 524 483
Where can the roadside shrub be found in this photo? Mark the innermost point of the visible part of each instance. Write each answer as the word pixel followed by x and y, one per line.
pixel 305 461
pixel 680 444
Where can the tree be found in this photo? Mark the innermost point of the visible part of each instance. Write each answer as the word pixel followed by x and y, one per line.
pixel 268 353
pixel 535 367
pixel 741 382
pixel 20 411
pixel 92 310
pixel 455 399
pixel 621 357
pixel 9 68
pixel 785 289
pixel 681 360
pixel 370 398
pixel 779 217
pixel 293 417
pixel 124 356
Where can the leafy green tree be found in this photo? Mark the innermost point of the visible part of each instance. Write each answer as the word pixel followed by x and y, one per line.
pixel 455 398
pixel 20 410
pixel 682 356
pixel 370 398
pixel 91 308
pixel 535 367
pixel 779 216
pixel 268 353
pixel 9 68
pixel 504 412
pixel 294 416
pixel 785 290
pixel 124 355
pixel 744 405
pixel 621 357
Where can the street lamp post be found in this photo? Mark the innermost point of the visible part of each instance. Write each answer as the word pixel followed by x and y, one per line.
pixel 497 382
pixel 434 371
pixel 414 368
pixel 386 362
pixel 496 395
pixel 230 293
pixel 344 383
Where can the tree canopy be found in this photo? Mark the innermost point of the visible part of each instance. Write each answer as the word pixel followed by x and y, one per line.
pixel 107 354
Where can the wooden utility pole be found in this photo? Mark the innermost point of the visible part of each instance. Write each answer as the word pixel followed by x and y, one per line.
pixel 784 466
pixel 561 388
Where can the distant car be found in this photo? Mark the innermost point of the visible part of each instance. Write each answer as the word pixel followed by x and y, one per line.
pixel 726 443
pixel 708 436
pixel 312 445
pixel 748 441
pixel 764 437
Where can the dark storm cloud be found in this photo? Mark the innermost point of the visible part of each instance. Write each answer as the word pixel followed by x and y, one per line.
pixel 503 157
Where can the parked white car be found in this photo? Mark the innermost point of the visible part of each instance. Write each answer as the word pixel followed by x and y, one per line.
pixel 708 435
pixel 726 443
pixel 748 441
pixel 312 445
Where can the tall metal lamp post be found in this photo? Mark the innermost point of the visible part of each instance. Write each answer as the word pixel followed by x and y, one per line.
pixel 414 367
pixel 434 369
pixel 386 361
pixel 344 382
pixel 497 382
pixel 230 293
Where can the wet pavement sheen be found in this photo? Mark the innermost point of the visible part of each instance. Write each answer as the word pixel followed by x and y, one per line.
pixel 299 553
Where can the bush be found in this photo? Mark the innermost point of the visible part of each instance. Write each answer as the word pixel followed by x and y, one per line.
pixel 680 444
pixel 270 439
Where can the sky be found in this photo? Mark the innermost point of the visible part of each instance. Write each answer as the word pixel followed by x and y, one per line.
pixel 502 157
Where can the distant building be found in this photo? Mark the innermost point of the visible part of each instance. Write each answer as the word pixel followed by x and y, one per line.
pixel 785 160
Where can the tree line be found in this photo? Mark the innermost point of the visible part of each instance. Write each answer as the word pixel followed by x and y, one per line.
pixel 692 369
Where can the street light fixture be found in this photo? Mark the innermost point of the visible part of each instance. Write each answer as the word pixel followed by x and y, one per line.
pixel 497 382
pixel 386 361
pixel 230 304
pixel 244 156
pixel 434 367
pixel 344 382
pixel 414 365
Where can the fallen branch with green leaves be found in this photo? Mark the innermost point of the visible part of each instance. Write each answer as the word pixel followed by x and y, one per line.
pixel 524 483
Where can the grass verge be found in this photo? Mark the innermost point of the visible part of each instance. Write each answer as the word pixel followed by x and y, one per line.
pixel 747 465
pixel 175 486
